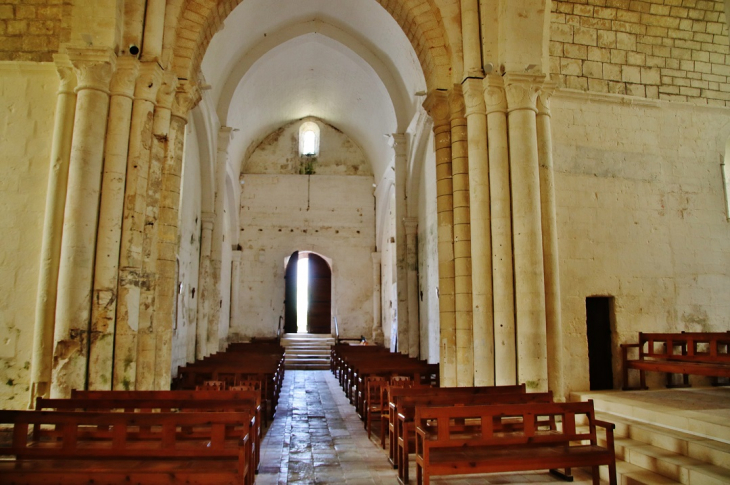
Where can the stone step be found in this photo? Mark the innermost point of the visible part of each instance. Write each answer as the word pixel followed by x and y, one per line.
pixel 308 351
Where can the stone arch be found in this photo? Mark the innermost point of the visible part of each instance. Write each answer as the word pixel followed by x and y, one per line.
pixel 194 24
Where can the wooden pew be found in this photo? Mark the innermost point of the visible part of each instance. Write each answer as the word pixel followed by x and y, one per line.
pixel 77 448
pixel 696 353
pixel 237 401
pixel 406 411
pixel 493 448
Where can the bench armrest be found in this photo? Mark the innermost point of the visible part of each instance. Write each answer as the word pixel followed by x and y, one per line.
pixel 609 427
pixel 604 424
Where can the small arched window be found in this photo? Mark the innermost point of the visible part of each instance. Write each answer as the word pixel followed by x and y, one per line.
pixel 309 139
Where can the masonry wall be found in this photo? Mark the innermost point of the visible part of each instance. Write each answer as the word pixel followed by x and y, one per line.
pixel 27 105
pixel 674 50
pixel 641 218
pixel 328 214
pixel 389 275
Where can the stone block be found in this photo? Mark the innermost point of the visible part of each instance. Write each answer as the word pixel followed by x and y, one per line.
pixel 584 36
pixel 635 58
pixel 612 72
pixel 625 41
pixel 599 54
pixel 573 51
pixel 606 38
pixel 592 69
pixel 631 74
pixel 572 67
pixel 650 75
pixel 618 56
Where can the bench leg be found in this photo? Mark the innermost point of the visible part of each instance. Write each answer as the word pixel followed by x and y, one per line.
pixel 566 475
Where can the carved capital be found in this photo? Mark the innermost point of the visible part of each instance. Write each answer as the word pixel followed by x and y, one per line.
pixel 186 98
pixel 166 94
pixel 125 77
pixel 93 68
pixel 225 133
pixel 437 107
pixel 544 97
pixel 456 103
pixel 66 74
pixel 473 97
pixel 148 82
pixel 522 91
pixel 495 97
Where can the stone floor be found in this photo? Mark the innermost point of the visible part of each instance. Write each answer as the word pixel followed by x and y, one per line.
pixel 317 438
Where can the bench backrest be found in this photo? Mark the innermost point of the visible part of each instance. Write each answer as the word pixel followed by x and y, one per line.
pixel 119 435
pixel 689 346
pixel 250 403
pixel 441 425
pixel 407 404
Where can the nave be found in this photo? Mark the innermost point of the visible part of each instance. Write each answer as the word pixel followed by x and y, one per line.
pixel 317 438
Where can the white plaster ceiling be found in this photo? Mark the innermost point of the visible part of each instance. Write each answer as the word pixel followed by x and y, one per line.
pixel 344 61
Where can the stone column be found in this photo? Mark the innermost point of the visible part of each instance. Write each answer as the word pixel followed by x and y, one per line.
pixel 154 28
pixel 154 335
pixel 414 329
pixel 94 69
pixel 52 231
pixel 462 241
pixel 218 239
pixel 131 279
pixel 550 243
pixel 471 40
pixel 505 358
pixel 398 143
pixel 522 91
pixel 437 106
pixel 201 341
pixel 481 234
pixel 167 233
pixel 235 315
pixel 106 271
pixel 378 337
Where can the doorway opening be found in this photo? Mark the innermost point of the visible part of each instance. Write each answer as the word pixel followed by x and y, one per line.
pixel 599 318
pixel 308 294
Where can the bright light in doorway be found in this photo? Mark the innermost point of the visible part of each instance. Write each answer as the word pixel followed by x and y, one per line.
pixel 302 292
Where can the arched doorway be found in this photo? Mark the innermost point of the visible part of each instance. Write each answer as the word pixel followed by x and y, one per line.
pixel 313 282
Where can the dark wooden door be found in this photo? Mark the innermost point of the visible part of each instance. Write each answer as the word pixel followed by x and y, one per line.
pixel 290 294
pixel 320 296
pixel 598 321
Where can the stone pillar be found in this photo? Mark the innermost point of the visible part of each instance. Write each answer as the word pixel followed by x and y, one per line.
pixel 414 328
pixel 398 143
pixel 505 358
pixel 106 271
pixel 154 28
pixel 481 234
pixel 235 315
pixel 52 231
pixel 218 239
pixel 167 233
pixel 201 341
pixel 94 69
pixel 550 243
pixel 471 40
pixel 462 241
pixel 131 279
pixel 378 337
pixel 522 91
pixel 154 335
pixel 437 106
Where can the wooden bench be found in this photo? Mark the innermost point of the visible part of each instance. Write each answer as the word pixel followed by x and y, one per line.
pixel 241 401
pixel 122 448
pixel 704 354
pixel 406 411
pixel 491 447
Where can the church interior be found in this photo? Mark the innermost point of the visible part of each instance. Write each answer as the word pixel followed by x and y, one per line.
pixel 513 191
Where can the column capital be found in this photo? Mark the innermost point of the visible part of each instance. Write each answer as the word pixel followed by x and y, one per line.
pixel 168 89
pixel 411 224
pixel 186 98
pixel 125 77
pixel 93 67
pixel 473 97
pixel 522 90
pixel 495 97
pixel 148 82
pixel 544 97
pixel 456 103
pixel 437 107
pixel 207 219
pixel 66 74
pixel 225 133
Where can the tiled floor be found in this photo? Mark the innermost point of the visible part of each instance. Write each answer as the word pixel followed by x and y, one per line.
pixel 317 438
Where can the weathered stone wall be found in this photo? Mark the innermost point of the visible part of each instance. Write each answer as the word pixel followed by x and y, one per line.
pixel 32 31
pixel 388 275
pixel 328 214
pixel 661 49
pixel 428 268
pixel 183 345
pixel 641 217
pixel 27 103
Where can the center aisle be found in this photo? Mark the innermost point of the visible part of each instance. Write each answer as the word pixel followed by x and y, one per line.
pixel 317 438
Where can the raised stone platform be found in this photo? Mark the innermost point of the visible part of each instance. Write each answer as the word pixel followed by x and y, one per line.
pixel 304 351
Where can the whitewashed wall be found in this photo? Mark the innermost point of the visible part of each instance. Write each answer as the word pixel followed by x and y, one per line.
pixel 641 217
